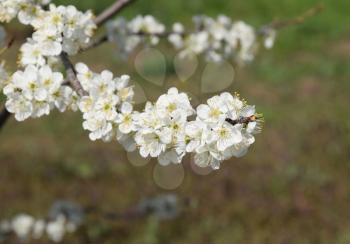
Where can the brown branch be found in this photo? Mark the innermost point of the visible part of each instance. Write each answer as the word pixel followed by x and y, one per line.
pixel 71 74
pixel 4 116
pixel 110 12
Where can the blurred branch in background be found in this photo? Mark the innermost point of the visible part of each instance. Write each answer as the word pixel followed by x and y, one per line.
pixel 162 207
pixel 281 24
pixel 68 217
pixel 264 30
pixel 112 11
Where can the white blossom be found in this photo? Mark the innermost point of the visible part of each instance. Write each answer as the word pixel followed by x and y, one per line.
pixel 174 102
pixel 243 36
pixel 35 91
pixel 176 37
pixel 128 35
pixel 38 228
pixel 214 112
pixel 26 10
pixel 161 127
pixel 56 229
pixel 106 109
pixel 226 129
pixel 31 53
pixel 216 38
pixel 167 129
pixel 26 227
pixel 270 37
pixel 22 225
pixel 126 119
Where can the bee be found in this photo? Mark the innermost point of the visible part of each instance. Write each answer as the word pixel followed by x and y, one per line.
pixel 258 118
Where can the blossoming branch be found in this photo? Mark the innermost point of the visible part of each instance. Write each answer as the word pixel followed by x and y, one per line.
pixel 167 129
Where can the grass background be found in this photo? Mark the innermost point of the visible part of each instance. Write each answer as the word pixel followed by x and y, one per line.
pixel 293 186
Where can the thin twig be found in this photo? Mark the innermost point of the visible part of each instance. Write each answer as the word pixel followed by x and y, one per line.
pixel 95 43
pixel 281 24
pixel 71 74
pixel 110 12
pixel 8 45
pixel 103 39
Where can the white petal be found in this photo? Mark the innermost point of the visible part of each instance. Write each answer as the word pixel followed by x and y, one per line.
pixel 203 111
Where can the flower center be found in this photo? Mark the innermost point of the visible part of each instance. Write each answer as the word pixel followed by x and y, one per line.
pixel 171 107
pixel 215 113
pixel 223 132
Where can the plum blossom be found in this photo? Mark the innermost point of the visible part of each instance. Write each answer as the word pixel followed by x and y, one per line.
pixel 35 91
pixel 161 127
pixel 216 39
pixel 107 108
pixel 226 129
pixel 129 35
pixel 167 129
pixel 22 225
pixel 27 227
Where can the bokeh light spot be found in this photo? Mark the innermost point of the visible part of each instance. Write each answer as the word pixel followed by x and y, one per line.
pixel 168 177
pixel 151 65
pixel 217 77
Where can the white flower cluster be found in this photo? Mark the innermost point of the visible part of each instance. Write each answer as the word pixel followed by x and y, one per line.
pixel 25 226
pixel 167 129
pixel 161 127
pixel 128 35
pixel 35 91
pixel 216 39
pixel 107 110
pixel 56 30
pixel 23 9
pixel 38 89
pixel 60 29
pixel 222 129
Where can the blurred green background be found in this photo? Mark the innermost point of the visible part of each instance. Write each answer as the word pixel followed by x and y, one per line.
pixel 292 187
